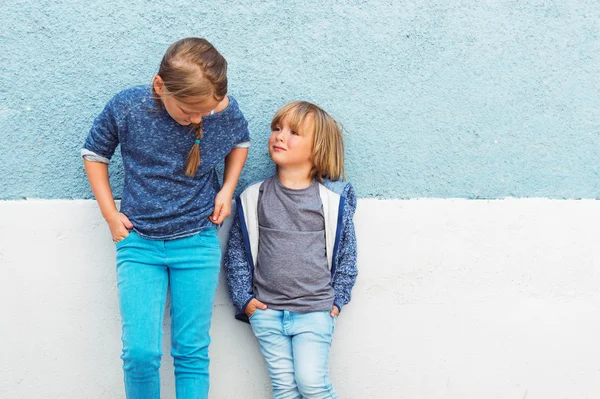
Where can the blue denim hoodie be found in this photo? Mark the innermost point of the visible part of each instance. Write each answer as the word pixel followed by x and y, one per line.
pixel 339 205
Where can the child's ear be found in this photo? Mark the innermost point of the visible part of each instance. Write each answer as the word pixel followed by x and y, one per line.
pixel 159 85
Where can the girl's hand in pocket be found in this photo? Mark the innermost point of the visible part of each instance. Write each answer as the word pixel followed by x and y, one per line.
pixel 119 226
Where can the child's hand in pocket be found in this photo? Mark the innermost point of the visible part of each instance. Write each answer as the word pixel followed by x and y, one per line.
pixel 253 305
pixel 334 311
pixel 119 226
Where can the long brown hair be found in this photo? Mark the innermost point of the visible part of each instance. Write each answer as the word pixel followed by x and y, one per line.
pixel 328 144
pixel 192 69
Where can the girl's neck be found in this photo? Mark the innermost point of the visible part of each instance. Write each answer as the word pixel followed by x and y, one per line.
pixel 294 178
pixel 222 105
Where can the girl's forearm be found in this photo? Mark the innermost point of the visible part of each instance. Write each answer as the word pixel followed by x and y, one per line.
pixel 234 162
pixel 97 173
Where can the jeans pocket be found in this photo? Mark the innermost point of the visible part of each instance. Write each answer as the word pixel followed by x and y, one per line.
pixel 254 314
pixel 208 238
pixel 119 244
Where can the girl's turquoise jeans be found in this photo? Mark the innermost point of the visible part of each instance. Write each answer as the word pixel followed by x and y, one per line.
pixel 145 270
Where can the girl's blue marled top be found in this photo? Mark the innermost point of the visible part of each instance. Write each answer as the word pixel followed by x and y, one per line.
pixel 158 198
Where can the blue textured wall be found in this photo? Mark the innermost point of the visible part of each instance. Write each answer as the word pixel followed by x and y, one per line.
pixel 475 99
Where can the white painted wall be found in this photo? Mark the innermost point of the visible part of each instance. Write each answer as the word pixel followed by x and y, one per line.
pixel 455 299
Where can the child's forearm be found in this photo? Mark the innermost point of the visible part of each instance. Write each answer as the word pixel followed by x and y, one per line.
pixel 97 173
pixel 237 268
pixel 346 270
pixel 234 162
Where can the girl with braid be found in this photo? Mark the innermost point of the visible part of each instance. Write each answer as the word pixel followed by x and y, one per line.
pixel 173 135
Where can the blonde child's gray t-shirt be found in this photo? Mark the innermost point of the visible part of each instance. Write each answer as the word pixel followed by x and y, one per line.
pixel 291 270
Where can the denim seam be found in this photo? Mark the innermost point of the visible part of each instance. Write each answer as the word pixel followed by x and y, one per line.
pixel 326 376
pixel 163 298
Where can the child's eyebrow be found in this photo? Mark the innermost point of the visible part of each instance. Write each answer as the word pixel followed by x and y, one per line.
pixel 187 111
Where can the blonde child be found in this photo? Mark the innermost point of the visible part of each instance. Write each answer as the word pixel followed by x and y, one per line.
pixel 173 134
pixel 291 257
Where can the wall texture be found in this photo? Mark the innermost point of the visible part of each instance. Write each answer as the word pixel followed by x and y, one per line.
pixel 456 98
pixel 455 299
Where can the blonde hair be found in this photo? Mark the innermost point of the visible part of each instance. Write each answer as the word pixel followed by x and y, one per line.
pixel 328 145
pixel 192 69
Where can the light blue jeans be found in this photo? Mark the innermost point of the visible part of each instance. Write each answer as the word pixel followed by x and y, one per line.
pixel 296 348
pixel 145 269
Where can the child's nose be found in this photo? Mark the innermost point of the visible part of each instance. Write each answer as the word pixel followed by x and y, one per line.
pixel 195 119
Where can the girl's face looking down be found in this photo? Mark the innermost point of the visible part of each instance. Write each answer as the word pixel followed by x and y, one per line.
pixel 291 148
pixel 184 111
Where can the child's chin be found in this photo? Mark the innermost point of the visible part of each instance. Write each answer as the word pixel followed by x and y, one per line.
pixel 275 156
